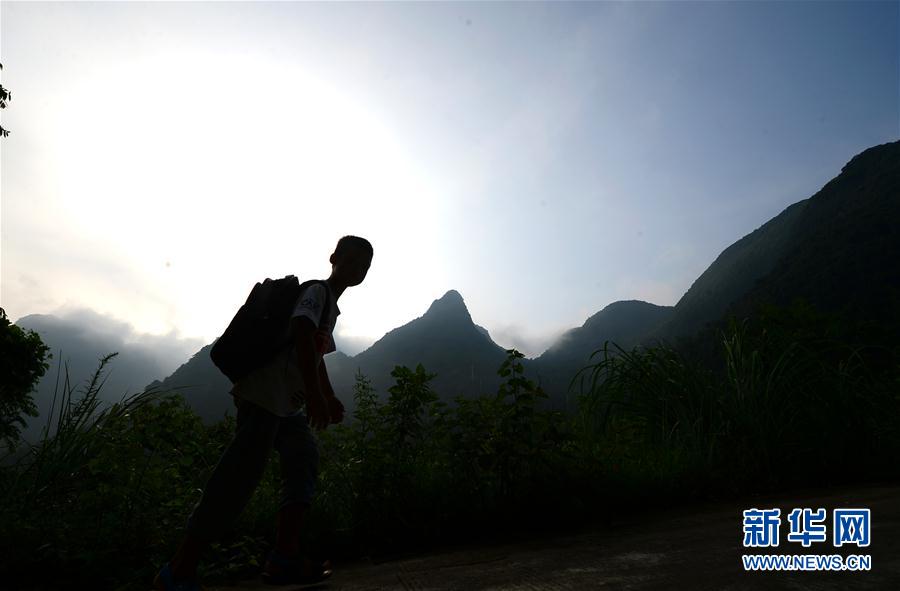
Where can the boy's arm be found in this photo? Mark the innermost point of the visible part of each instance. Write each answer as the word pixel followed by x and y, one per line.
pixel 316 406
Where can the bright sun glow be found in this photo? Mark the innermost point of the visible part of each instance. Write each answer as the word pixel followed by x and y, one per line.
pixel 200 170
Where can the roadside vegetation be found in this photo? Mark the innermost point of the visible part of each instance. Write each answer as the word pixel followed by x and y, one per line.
pixel 781 403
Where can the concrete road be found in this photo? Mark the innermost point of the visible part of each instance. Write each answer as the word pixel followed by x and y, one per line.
pixel 691 548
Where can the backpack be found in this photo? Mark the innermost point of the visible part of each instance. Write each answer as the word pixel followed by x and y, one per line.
pixel 261 328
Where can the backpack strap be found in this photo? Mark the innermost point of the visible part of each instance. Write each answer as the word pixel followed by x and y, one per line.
pixel 326 309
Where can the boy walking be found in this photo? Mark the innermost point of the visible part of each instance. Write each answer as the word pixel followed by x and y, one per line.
pixel 270 415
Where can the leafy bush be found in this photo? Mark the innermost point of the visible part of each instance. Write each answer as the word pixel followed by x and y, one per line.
pixel 22 363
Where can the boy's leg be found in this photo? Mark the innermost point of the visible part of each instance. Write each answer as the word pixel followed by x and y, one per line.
pixel 229 487
pixel 299 457
pixel 187 557
pixel 288 525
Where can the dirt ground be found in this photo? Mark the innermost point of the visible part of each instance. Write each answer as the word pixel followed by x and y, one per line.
pixel 694 548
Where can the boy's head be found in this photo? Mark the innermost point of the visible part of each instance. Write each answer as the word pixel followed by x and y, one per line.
pixel 351 259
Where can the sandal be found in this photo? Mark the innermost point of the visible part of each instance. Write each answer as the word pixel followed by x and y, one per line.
pixel 292 571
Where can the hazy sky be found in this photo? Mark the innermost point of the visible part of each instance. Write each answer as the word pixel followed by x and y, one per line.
pixel 544 160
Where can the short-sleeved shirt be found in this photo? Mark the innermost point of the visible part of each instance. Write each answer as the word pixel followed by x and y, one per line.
pixel 278 386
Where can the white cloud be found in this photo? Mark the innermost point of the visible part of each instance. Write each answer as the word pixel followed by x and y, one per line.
pixel 515 336
pixel 168 351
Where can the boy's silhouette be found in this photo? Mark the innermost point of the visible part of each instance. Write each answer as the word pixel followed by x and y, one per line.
pixel 269 414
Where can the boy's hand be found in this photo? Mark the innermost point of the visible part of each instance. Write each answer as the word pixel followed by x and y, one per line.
pixel 317 411
pixel 336 409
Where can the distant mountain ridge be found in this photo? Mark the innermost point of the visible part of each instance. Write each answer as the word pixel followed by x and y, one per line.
pixel 837 249
pixel 202 384
pixel 445 341
pixel 77 344
pixel 844 250
pixel 732 274
pixel 624 323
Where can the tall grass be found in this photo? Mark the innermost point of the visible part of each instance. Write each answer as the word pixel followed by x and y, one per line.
pixel 781 410
pixel 94 496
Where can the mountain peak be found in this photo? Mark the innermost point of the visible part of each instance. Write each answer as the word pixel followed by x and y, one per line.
pixel 449 304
